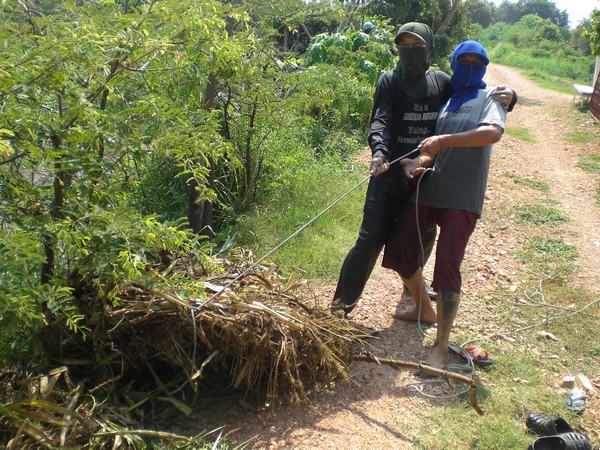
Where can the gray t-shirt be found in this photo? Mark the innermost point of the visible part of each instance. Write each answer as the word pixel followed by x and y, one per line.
pixel 460 177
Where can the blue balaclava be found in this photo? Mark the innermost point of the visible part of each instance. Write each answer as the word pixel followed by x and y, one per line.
pixel 467 78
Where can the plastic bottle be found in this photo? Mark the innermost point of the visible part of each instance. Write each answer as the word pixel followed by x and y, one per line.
pixel 575 400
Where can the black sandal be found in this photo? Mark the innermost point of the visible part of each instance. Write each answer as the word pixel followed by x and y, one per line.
pixel 564 441
pixel 547 425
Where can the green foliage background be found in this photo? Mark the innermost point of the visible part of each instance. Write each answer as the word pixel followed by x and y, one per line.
pixel 110 109
pixel 534 35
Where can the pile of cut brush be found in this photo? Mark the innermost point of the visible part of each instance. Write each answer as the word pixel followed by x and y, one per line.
pixel 266 334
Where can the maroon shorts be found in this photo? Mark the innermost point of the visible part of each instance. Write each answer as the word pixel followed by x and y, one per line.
pixel 403 251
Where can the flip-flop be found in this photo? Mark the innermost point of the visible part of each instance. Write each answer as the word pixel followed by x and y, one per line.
pixel 563 441
pixel 546 425
pixel 468 368
pixel 480 356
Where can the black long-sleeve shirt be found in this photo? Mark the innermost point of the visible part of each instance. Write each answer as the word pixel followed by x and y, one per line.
pixel 398 124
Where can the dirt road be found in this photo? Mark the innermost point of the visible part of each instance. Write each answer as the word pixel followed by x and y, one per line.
pixel 380 410
pixel 553 159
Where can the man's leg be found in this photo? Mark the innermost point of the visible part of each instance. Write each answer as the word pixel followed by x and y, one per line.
pixel 403 254
pixel 456 226
pixel 428 243
pixel 355 272
pixel 447 306
pixel 423 310
pixel 359 262
pixel 385 194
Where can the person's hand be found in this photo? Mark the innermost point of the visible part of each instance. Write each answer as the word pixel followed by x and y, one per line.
pixel 412 167
pixel 431 146
pixel 503 95
pixel 378 166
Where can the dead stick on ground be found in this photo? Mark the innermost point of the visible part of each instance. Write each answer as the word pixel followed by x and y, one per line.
pixel 146 433
pixel 428 369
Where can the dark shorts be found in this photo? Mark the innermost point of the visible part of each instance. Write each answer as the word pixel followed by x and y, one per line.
pixel 403 251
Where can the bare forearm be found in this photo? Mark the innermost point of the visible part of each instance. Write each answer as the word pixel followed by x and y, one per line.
pixel 478 137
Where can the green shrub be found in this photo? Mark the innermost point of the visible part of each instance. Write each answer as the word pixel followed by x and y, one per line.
pixel 368 56
pixel 536 44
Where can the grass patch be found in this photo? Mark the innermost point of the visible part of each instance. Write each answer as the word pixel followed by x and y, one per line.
pixel 550 82
pixel 553 258
pixel 590 162
pixel 553 248
pixel 520 133
pixel 524 377
pixel 318 252
pixel 506 403
pixel 543 65
pixel 540 215
pixel 531 183
pixel 576 332
pixel 581 137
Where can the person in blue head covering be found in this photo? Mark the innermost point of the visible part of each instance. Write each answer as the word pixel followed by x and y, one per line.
pixel 451 194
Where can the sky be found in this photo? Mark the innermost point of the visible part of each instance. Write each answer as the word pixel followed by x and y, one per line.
pixel 577 9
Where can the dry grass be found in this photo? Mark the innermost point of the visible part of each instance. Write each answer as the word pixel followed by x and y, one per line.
pixel 265 336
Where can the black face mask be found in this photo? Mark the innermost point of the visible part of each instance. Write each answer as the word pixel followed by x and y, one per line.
pixel 414 62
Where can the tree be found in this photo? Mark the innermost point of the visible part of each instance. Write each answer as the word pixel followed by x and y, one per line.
pixel 89 93
pixel 447 18
pixel 579 40
pixel 594 34
pixel 546 9
pixel 436 13
pixel 508 12
pixel 481 12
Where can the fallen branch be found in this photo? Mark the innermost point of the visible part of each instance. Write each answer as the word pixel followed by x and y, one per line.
pixel 367 357
pixel 144 433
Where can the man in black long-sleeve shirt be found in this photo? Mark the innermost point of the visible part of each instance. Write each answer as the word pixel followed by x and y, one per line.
pixel 406 105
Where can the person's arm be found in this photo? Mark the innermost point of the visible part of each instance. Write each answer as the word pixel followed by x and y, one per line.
pixel 382 120
pixel 506 96
pixel 481 136
pixel 513 102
